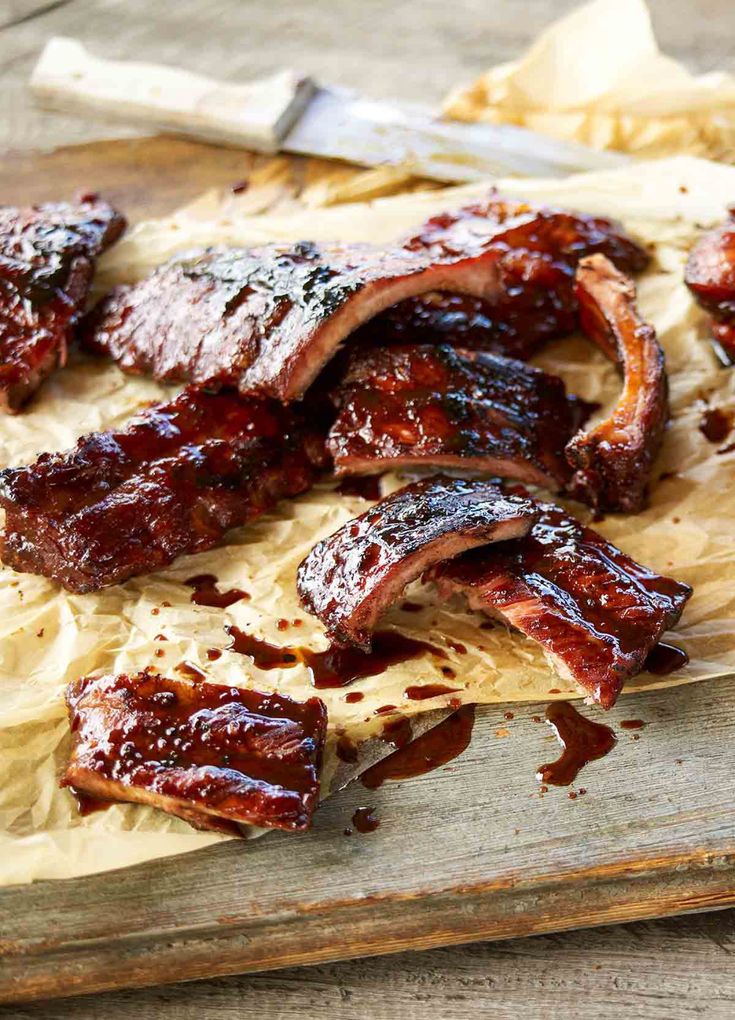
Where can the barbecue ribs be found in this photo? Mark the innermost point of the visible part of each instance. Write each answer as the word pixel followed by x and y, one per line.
pixel 47 257
pixel 349 579
pixel 613 460
pixel 268 319
pixel 173 481
pixel 710 275
pixel 207 753
pixel 422 406
pixel 536 251
pixel 595 612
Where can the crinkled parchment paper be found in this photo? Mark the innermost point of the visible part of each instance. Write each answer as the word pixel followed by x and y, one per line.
pixel 597 76
pixel 48 636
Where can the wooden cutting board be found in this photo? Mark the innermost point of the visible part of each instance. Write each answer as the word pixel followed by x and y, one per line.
pixel 471 851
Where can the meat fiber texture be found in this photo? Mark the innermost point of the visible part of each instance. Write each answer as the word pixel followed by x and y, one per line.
pixel 49 637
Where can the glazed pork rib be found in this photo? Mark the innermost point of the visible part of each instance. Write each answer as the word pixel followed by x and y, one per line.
pixel 423 406
pixel 351 578
pixel 216 756
pixel 47 258
pixel 173 481
pixel 710 275
pixel 595 612
pixel 268 319
pixel 536 252
pixel 613 460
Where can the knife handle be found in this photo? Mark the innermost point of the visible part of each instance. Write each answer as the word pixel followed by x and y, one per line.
pixel 255 115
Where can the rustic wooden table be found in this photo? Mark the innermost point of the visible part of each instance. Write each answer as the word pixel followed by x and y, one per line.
pixel 662 969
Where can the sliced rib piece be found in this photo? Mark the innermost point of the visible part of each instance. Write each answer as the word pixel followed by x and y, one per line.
pixel 47 255
pixel 201 751
pixel 173 481
pixel 613 460
pixel 536 252
pixel 710 275
pixel 595 612
pixel 422 406
pixel 349 579
pixel 267 319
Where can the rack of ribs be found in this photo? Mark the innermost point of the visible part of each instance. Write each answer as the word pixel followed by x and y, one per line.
pixel 710 275
pixel 537 251
pixel 268 319
pixel 47 258
pixel 613 460
pixel 423 406
pixel 215 756
pixel 173 481
pixel 351 578
pixel 595 612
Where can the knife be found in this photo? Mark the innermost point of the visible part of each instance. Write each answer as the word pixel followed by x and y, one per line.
pixel 288 112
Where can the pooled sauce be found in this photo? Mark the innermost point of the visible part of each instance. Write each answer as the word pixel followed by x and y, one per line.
pixel 397 732
pixel 632 724
pixel 334 667
pixel 364 486
pixel 664 659
pixel 263 653
pixel 430 751
pixel 715 424
pixel 365 819
pixel 421 693
pixel 354 697
pixel 213 654
pixel 206 594
pixel 583 741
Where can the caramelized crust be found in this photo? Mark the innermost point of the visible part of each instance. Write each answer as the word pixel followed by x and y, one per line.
pixel 173 481
pixel 47 255
pixel 595 612
pixel 710 275
pixel 269 319
pixel 351 578
pixel 204 752
pixel 613 460
pixel 422 406
pixel 535 251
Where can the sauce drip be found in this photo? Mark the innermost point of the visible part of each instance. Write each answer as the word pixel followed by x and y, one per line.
pixel 583 741
pixel 334 667
pixel 365 820
pixel 89 805
pixel 632 724
pixel 190 671
pixel 430 751
pixel 366 487
pixel 206 594
pixel 213 654
pixel 354 697
pixel 715 425
pixel 664 659
pixel 421 693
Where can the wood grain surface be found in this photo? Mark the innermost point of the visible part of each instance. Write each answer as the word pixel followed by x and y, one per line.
pixel 666 968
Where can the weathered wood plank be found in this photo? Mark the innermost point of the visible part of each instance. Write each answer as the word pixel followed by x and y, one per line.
pixel 484 857
pixel 650 970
